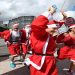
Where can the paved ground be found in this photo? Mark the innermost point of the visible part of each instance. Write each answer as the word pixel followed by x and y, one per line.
pixel 22 70
pixel 6 70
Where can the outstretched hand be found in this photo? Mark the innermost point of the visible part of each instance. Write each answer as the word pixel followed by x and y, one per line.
pixel 64 14
pixel 49 8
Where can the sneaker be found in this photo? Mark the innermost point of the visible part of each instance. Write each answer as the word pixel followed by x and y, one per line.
pixel 12 65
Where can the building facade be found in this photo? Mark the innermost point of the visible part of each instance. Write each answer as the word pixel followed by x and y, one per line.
pixel 23 20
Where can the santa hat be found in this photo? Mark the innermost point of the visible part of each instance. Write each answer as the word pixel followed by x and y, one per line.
pixel 15 25
pixel 72 26
pixel 52 24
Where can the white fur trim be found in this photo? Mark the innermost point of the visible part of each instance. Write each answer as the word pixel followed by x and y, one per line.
pixel 51 26
pixel 47 15
pixel 72 26
pixel 72 60
pixel 15 33
pixel 28 61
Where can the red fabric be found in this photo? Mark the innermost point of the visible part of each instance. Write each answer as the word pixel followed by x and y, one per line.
pixel 38 38
pixel 49 67
pixel 72 25
pixel 24 48
pixel 60 38
pixel 23 41
pixel 6 35
pixel 68 51
pixel 70 41
pixel 14 49
pixel 38 27
pixel 59 22
pixel 23 36
pixel 50 61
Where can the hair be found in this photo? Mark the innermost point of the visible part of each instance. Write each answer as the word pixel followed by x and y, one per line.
pixel 11 25
pixel 69 21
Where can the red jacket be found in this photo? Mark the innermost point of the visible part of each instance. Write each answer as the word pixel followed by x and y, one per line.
pixel 7 34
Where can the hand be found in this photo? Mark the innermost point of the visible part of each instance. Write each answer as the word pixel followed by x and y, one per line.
pixel 49 9
pixel 64 14
pixel 8 43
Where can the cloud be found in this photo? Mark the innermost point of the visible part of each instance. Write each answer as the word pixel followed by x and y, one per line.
pixel 13 8
pixel 58 16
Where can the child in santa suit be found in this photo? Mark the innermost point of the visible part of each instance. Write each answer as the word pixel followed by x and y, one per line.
pixel 42 61
pixel 68 50
pixel 15 40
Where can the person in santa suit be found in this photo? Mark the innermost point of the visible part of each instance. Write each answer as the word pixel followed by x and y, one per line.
pixel 42 61
pixel 27 28
pixel 68 50
pixel 15 40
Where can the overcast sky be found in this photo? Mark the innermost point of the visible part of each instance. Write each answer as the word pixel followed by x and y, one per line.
pixel 13 8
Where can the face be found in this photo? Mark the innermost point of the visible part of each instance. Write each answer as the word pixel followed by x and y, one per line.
pixel 51 31
pixel 16 28
pixel 73 29
pixel 27 28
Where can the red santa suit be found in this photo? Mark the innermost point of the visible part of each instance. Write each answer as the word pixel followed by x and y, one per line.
pixel 19 43
pixel 42 62
pixel 68 51
pixel 28 32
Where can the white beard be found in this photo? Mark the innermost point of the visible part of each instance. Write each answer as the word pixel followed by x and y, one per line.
pixel 16 33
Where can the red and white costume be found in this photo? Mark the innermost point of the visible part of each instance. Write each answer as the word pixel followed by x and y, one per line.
pixel 68 51
pixel 42 43
pixel 14 48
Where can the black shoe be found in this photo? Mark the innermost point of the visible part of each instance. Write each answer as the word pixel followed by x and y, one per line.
pixel 26 66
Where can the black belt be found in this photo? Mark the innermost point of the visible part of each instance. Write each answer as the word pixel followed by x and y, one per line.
pixel 14 42
pixel 44 54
